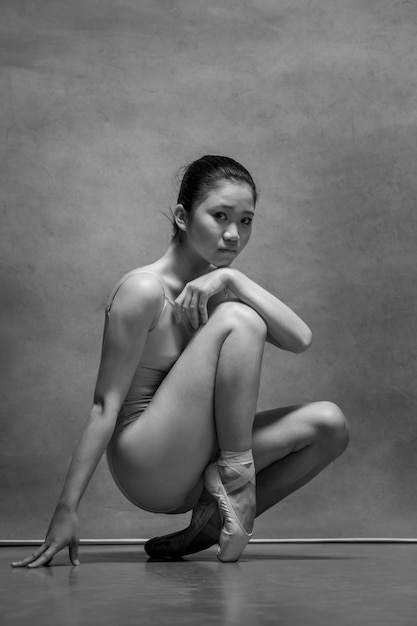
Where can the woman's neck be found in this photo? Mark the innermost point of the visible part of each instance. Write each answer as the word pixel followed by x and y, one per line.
pixel 182 262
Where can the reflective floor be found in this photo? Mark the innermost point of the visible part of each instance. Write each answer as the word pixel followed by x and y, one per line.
pixel 295 584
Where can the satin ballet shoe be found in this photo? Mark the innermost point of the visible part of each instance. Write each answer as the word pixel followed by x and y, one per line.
pixel 202 533
pixel 233 536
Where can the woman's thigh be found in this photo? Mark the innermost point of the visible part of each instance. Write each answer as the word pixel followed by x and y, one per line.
pixel 159 459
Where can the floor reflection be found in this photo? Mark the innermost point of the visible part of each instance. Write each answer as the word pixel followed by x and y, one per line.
pixel 285 584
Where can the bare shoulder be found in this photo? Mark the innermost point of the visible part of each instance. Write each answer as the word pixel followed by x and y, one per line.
pixel 137 293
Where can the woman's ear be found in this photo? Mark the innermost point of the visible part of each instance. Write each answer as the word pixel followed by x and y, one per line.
pixel 180 217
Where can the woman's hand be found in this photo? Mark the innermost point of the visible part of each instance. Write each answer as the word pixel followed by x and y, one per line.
pixel 192 302
pixel 63 531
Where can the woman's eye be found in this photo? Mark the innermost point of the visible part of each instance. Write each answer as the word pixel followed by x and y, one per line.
pixel 247 221
pixel 220 215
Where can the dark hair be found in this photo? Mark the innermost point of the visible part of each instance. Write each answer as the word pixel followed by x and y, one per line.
pixel 204 175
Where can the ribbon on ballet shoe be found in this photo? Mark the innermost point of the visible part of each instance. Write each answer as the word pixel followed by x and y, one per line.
pixel 233 536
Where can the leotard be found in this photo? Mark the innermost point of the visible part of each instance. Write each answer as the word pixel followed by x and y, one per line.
pixel 165 341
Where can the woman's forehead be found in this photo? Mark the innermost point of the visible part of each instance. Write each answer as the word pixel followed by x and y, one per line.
pixel 230 195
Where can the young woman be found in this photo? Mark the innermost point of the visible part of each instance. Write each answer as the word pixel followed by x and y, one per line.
pixel 175 399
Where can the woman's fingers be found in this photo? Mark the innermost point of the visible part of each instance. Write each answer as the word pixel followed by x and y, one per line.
pixel 178 306
pixel 73 552
pixel 45 558
pixel 193 310
pixel 191 304
pixel 182 304
pixel 31 558
pixel 44 555
pixel 202 308
pixel 63 531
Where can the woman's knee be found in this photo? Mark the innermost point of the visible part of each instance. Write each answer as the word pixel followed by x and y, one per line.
pixel 332 428
pixel 238 315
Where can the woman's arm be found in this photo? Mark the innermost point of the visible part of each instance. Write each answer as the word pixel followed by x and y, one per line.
pixel 285 329
pixel 133 311
pixel 132 314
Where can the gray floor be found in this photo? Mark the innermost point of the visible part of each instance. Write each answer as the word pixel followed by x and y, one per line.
pixel 296 584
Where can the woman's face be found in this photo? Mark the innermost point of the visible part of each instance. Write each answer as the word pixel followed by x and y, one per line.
pixel 220 226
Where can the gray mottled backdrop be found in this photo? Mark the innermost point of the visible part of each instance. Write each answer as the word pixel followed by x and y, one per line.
pixel 101 103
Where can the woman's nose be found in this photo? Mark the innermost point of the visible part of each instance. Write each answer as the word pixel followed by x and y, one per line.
pixel 231 234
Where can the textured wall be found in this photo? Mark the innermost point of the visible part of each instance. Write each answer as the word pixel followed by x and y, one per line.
pixel 101 103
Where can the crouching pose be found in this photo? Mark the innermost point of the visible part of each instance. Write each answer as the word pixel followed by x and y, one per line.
pixel 176 394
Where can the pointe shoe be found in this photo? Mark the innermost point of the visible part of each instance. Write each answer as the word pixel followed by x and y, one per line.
pixel 183 542
pixel 233 536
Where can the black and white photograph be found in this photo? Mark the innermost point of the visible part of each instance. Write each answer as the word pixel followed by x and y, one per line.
pixel 208 346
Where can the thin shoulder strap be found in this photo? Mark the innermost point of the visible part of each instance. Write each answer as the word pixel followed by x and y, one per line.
pixel 123 280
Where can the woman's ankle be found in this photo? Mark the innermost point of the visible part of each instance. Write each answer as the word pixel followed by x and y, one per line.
pixel 230 463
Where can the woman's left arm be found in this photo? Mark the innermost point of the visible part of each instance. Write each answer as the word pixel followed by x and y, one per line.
pixel 285 329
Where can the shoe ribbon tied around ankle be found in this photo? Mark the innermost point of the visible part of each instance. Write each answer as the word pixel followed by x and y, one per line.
pixel 233 536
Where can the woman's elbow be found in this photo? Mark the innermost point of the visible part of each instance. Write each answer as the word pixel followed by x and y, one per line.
pixel 304 341
pixel 104 410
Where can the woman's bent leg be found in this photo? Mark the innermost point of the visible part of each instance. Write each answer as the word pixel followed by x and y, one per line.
pixel 231 481
pixel 291 445
pixel 207 401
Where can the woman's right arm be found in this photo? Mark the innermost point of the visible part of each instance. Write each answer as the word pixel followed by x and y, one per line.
pixel 133 311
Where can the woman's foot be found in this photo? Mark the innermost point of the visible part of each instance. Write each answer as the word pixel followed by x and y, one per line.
pixel 231 481
pixel 202 533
